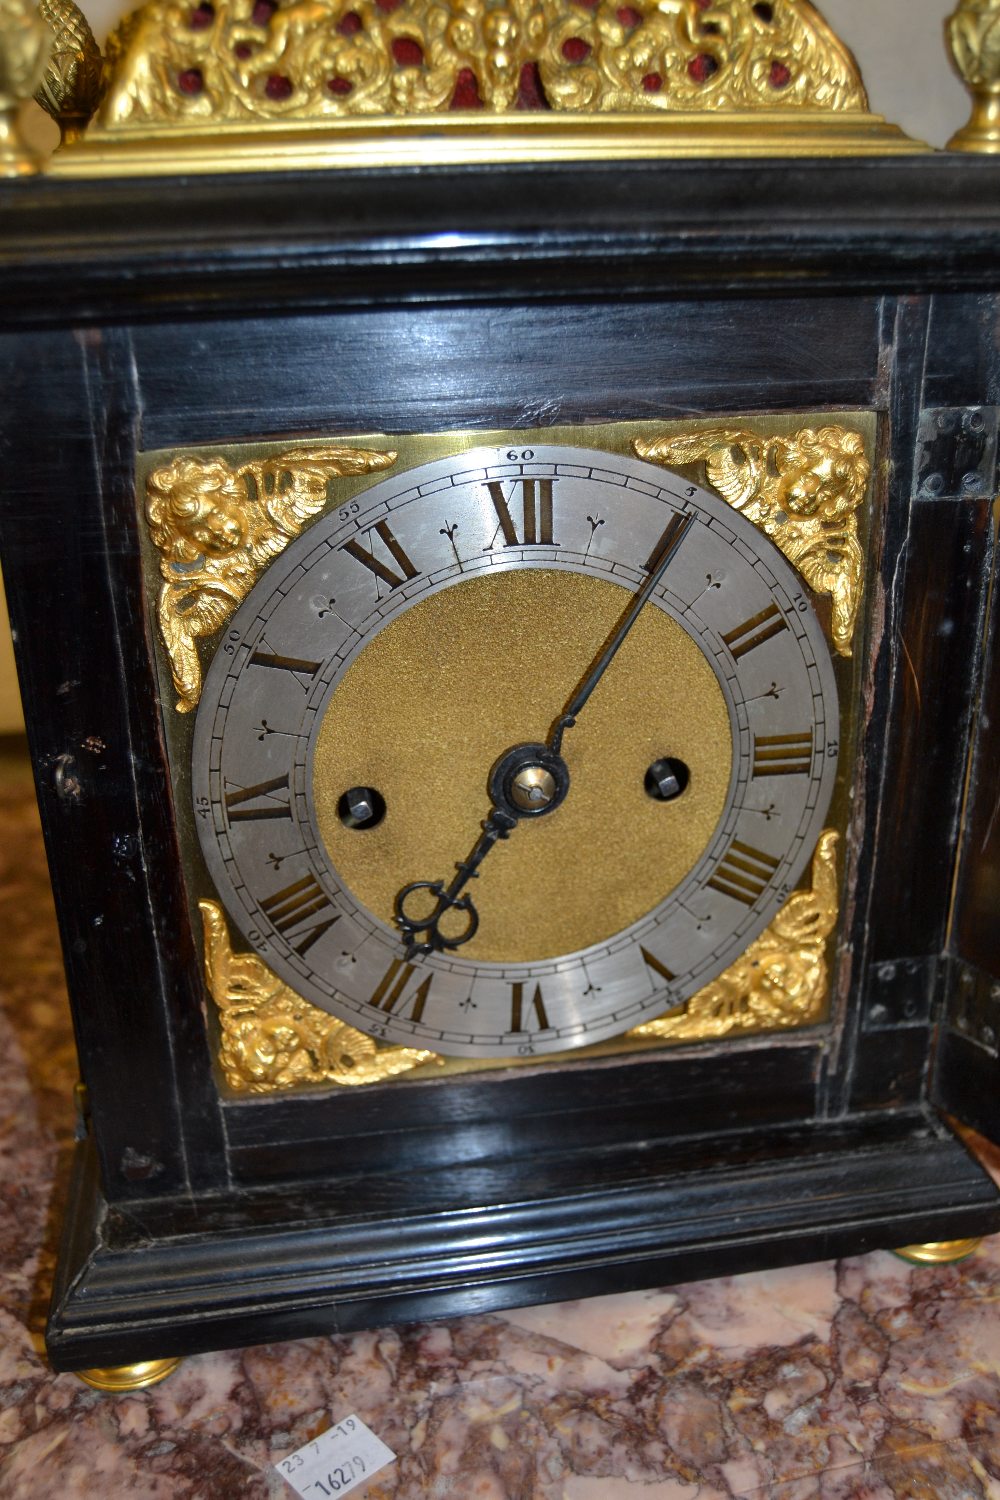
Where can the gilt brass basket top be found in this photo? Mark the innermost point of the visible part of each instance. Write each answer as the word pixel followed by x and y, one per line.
pixel 241 60
pixel 401 82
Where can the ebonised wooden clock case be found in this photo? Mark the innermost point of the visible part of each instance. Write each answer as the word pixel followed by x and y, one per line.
pixel 141 315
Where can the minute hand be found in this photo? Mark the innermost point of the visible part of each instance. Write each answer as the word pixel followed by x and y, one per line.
pixel 670 541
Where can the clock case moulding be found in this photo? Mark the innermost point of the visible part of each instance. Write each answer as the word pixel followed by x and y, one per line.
pixel 142 315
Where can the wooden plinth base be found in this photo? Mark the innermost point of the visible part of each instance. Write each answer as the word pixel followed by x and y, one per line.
pixel 478 1237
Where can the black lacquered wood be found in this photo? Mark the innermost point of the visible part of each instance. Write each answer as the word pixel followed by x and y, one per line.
pixel 499 366
pixel 603 1107
pixel 68 527
pixel 508 297
pixel 977 906
pixel 320 240
pixel 963 366
pixel 968 1057
pixel 508 1237
pixel 934 680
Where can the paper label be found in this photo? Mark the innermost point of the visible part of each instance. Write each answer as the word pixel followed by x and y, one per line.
pixel 336 1462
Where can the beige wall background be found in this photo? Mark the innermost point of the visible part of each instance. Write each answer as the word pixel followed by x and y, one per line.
pixel 899 45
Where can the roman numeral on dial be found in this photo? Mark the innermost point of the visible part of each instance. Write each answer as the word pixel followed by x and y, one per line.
pixel 375 564
pixel 294 904
pixel 518 1010
pixel 743 872
pixel 293 664
pixel 536 512
pixel 782 754
pixel 670 538
pixel 392 987
pixel 652 962
pixel 266 794
pixel 755 631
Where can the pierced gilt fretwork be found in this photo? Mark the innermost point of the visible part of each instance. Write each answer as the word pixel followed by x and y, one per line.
pixel 781 979
pixel 272 1039
pixel 237 61
pixel 803 491
pixel 216 527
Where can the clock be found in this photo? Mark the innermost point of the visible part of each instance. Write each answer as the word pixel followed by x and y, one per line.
pixel 508 648
pixel 414 661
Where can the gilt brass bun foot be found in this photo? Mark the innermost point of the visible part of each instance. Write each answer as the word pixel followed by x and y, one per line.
pixel 129 1377
pixel 939 1252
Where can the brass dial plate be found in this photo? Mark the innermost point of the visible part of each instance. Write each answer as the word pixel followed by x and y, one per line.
pixel 423 534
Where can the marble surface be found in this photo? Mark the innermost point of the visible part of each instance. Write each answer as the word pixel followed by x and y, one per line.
pixel 863 1379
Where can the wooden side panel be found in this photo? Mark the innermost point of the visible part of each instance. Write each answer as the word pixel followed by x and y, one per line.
pixel 967 1072
pixel 976 933
pixel 71 568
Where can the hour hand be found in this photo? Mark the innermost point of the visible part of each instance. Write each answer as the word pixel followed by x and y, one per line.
pixel 413 923
pixel 528 781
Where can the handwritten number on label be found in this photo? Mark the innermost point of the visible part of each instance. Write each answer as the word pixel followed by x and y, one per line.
pixel 336 1462
pixel 345 1473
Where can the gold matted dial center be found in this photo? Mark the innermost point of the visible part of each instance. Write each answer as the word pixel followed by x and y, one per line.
pixel 447 687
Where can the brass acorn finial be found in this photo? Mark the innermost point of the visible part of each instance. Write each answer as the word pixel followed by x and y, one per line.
pixel 73 83
pixel 25 43
pixel 973 33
